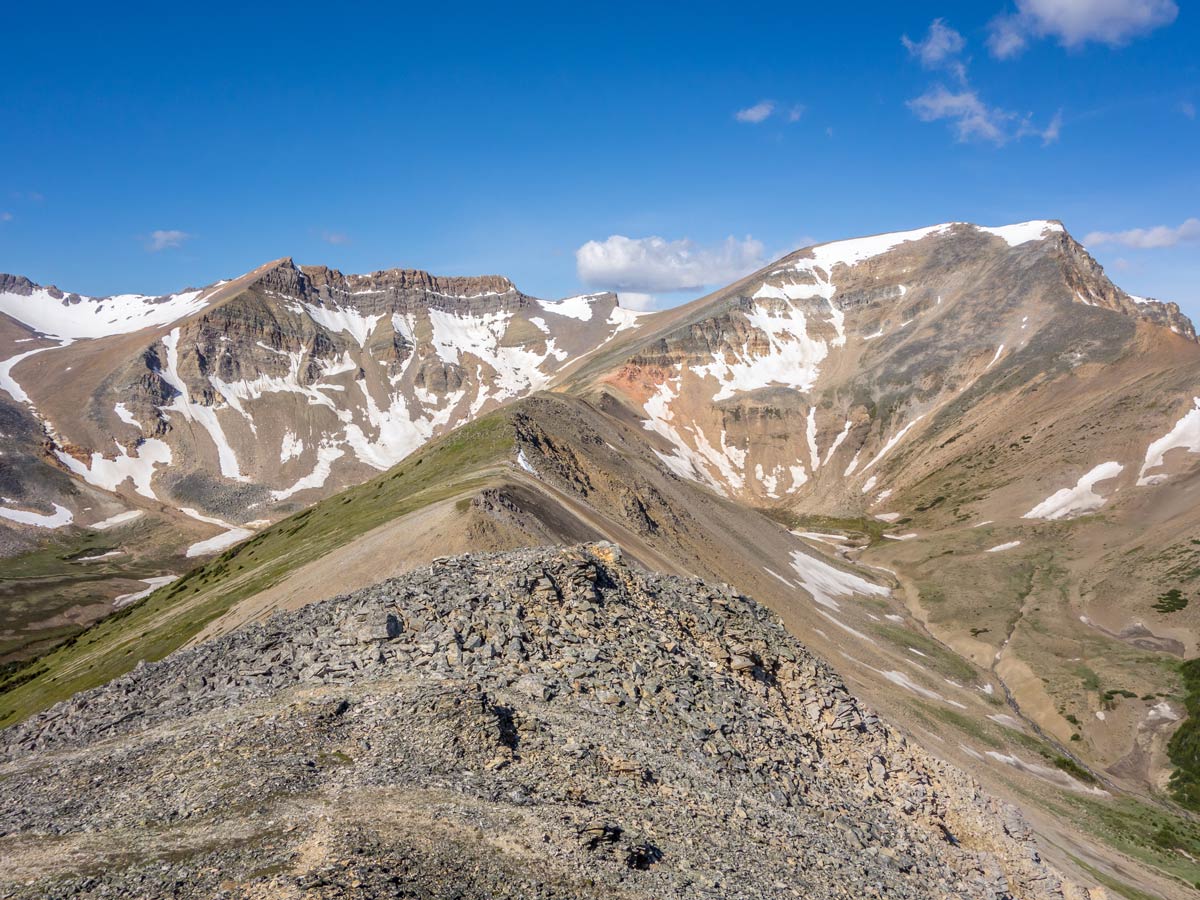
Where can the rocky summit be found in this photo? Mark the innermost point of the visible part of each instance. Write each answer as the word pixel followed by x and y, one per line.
pixel 538 723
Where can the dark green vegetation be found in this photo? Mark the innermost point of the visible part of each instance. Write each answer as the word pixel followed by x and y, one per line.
pixel 859 528
pixel 1171 601
pixel 169 617
pixel 1167 840
pixel 1184 746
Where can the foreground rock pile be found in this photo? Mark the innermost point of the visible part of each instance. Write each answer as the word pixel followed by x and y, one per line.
pixel 542 723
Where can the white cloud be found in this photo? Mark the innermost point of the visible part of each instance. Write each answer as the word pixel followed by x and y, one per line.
pixel 652 264
pixel 940 44
pixel 1006 37
pixel 1049 134
pixel 794 114
pixel 1076 22
pixel 335 237
pixel 1149 238
pixel 971 118
pixel 635 300
pixel 165 240
pixel 759 112
pixel 6 217
pixel 1188 109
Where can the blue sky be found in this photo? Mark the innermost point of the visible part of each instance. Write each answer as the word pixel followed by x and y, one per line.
pixel 147 149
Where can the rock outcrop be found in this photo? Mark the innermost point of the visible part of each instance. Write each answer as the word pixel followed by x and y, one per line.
pixel 548 723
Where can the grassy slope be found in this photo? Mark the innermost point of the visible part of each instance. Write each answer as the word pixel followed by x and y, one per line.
pixel 170 616
pixel 53 582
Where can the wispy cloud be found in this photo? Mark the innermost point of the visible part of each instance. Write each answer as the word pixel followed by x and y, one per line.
pixel 1188 109
pixel 335 237
pixel 1048 134
pixel 970 117
pixel 939 49
pixel 1076 22
pixel 940 44
pixel 766 109
pixel 653 264
pixel 1149 238
pixel 166 240
pixel 6 216
pixel 759 112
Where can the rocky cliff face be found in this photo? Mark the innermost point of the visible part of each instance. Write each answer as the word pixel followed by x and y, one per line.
pixel 247 398
pixel 540 723
pixel 811 381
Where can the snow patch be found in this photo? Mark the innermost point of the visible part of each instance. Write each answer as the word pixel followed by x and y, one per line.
pixel 233 535
pixel 842 625
pixel 73 316
pixel 204 416
pixel 891 443
pixel 110 474
pixel 1184 435
pixel 572 307
pixel 792 358
pixel 1076 500
pixel 626 319
pixel 518 370
pixel 1044 772
pixel 344 319
pixel 854 251
pixel 291 448
pixel 837 441
pixel 826 583
pixel 1002 547
pixel 9 384
pixel 126 416
pixel 1023 232
pixel 810 434
pixel 154 584
pixel 1163 711
pixel 328 453
pixel 57 519
pixel 118 519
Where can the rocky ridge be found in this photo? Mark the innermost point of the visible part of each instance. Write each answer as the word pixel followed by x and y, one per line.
pixel 541 723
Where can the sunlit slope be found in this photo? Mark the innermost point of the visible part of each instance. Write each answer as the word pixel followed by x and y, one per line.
pixel 171 616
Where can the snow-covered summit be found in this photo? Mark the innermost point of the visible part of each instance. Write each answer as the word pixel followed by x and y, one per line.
pixel 856 250
pixel 50 312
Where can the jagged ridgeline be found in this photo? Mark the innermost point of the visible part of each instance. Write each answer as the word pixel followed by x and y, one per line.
pixel 545 723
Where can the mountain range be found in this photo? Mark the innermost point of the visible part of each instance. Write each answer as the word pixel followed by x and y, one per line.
pixel 958 463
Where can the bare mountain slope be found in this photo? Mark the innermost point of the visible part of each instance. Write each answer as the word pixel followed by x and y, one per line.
pixel 555 469
pixel 959 462
pixel 286 383
pixel 146 432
